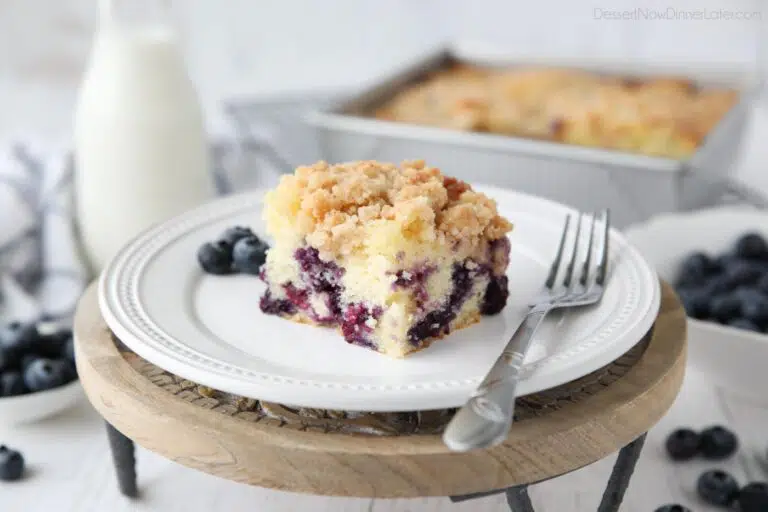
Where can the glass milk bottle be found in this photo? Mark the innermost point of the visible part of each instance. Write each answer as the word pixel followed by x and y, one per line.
pixel 140 146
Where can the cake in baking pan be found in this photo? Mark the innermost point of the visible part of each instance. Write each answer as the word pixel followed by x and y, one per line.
pixel 666 117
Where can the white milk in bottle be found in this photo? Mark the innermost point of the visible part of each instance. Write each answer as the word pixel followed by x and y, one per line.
pixel 140 146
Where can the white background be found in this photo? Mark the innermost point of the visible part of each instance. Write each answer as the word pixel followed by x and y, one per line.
pixel 252 46
pixel 249 46
pixel 242 47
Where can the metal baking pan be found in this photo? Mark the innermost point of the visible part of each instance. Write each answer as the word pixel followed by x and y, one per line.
pixel 634 186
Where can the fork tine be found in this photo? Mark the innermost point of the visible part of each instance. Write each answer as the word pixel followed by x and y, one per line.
pixel 588 257
pixel 574 253
pixel 556 264
pixel 602 268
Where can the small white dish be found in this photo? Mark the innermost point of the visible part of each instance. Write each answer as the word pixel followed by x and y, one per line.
pixel 210 330
pixel 732 357
pixel 15 410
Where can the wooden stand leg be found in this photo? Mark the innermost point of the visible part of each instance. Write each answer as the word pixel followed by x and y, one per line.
pixel 477 495
pixel 620 476
pixel 518 500
pixel 124 459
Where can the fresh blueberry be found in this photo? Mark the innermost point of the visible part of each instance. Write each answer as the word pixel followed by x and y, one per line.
pixel 673 508
pixel 697 262
pixel 689 281
pixel 753 497
pixel 748 293
pixel 725 308
pixel 234 234
pixel 686 280
pixel 11 464
pixel 6 363
pixel 752 246
pixel 756 310
pixel 724 260
pixel 717 487
pixel 17 339
pixel 70 367
pixel 695 302
pixel 762 284
pixel 249 254
pixel 215 258
pixel 68 352
pixel 12 384
pixel 683 444
pixel 44 374
pixel 51 339
pixel 719 285
pixel 27 359
pixel 718 443
pixel 695 268
pixel 63 336
pixel 742 272
pixel 744 324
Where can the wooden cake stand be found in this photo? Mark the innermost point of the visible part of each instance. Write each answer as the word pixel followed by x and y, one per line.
pixel 381 455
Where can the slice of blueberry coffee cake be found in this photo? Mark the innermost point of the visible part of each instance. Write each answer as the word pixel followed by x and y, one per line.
pixel 394 256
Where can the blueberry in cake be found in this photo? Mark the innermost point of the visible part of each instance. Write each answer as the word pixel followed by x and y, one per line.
pixel 394 256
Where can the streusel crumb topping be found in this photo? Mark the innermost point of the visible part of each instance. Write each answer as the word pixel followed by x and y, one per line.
pixel 345 208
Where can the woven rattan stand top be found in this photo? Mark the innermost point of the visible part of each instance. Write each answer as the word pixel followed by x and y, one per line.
pixel 378 455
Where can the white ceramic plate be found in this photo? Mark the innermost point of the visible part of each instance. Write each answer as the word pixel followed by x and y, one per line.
pixel 210 330
pixel 734 358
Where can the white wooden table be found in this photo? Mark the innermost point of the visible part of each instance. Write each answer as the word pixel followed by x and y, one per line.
pixel 42 49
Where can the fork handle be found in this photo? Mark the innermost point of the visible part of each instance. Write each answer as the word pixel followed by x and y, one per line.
pixel 485 419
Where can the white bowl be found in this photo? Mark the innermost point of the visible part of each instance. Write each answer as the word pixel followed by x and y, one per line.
pixel 734 358
pixel 20 409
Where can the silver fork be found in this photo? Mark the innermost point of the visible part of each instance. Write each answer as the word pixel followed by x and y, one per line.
pixel 486 418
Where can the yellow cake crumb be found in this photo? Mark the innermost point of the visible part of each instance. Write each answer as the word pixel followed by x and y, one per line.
pixel 381 208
